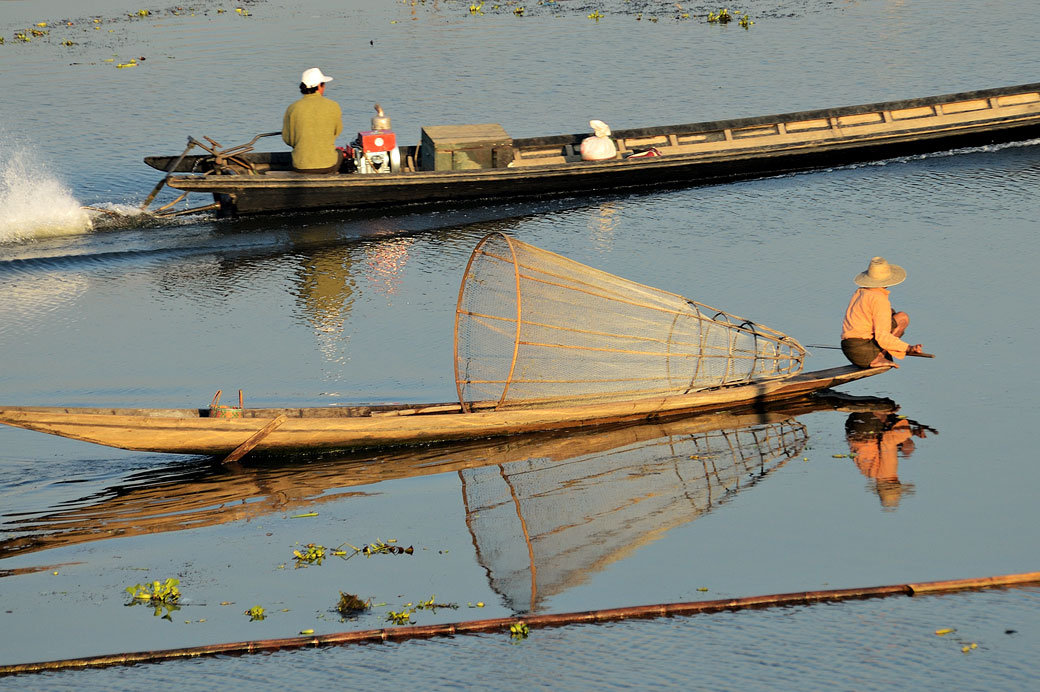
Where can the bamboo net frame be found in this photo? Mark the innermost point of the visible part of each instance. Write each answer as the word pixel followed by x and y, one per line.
pixel 533 328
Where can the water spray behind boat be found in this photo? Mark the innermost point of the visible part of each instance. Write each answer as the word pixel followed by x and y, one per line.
pixel 35 204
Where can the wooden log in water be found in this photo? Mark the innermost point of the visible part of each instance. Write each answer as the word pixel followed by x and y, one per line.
pixel 535 621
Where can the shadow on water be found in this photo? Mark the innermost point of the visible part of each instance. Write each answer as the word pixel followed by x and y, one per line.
pixel 543 510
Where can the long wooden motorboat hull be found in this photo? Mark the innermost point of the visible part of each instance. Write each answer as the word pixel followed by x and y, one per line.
pixel 699 153
pixel 311 430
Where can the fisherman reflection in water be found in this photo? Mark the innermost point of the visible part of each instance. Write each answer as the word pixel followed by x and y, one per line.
pixel 871 329
pixel 876 439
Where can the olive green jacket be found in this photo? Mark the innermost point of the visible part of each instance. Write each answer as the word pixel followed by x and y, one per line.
pixel 310 127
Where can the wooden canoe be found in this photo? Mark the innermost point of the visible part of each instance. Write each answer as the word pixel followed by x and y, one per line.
pixel 276 431
pixel 693 154
pixel 184 495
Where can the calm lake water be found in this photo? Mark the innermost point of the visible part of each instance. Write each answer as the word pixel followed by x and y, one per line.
pixel 325 309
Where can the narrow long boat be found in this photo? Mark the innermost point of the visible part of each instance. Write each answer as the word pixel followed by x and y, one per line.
pixel 309 430
pixel 459 163
pixel 181 496
pixel 541 343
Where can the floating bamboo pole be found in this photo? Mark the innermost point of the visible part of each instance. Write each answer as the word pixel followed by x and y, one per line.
pixel 533 621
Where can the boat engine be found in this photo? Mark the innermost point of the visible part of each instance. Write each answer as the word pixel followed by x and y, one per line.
pixel 375 150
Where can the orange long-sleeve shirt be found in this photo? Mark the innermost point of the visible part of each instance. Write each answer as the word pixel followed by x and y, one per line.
pixel 869 316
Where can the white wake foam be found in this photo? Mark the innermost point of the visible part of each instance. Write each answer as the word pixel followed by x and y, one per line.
pixel 34 203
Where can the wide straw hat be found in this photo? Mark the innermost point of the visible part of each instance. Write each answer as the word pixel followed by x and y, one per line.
pixel 313 77
pixel 880 274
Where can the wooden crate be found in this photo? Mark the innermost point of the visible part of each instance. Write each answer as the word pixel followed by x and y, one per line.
pixel 465 147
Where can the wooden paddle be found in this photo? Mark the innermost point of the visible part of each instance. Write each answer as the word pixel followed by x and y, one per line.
pixel 169 173
pixel 254 440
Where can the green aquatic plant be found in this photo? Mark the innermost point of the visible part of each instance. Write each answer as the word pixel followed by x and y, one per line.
pixel 433 605
pixel 380 547
pixel 312 555
pixel 349 604
pixel 162 596
pixel 256 613
pixel 399 618
pixel 519 630
pixel 745 22
pixel 156 592
pixel 721 17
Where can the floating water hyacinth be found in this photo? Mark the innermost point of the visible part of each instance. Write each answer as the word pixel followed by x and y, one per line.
pixel 156 592
pixel 349 604
pixel 399 618
pixel 313 555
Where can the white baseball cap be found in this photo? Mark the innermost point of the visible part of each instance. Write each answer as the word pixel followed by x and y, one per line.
pixel 313 77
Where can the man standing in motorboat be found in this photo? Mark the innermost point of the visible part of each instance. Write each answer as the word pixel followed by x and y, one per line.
pixel 311 125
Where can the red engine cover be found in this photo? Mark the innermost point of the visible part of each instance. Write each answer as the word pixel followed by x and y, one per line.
pixel 377 140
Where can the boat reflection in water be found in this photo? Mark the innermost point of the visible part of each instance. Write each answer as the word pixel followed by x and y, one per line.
pixel 544 510
pixel 876 440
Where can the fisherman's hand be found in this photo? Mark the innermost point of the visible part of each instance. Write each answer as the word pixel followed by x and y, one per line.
pixel 916 348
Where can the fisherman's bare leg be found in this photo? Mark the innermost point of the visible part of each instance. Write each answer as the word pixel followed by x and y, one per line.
pixel 902 321
pixel 882 359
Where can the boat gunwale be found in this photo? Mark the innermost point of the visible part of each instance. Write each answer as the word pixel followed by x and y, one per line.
pixel 814 114
pixel 636 133
pixel 185 431
pixel 770 387
pixel 228 184
pixel 245 183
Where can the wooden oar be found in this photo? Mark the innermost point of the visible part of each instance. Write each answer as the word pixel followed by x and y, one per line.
pixel 254 440
pixel 838 348
pixel 169 172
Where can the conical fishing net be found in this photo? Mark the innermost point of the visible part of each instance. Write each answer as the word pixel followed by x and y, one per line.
pixel 533 328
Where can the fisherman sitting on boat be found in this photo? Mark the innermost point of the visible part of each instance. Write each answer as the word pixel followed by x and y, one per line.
pixel 311 125
pixel 600 146
pixel 871 329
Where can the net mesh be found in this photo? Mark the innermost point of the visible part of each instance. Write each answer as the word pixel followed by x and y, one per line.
pixel 533 328
pixel 543 525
